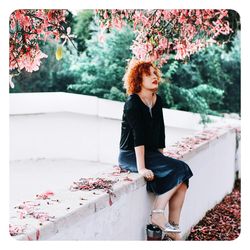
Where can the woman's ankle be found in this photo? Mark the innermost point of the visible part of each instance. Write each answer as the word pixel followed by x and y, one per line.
pixel 158 219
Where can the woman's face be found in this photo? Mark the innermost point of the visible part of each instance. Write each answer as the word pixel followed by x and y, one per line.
pixel 150 82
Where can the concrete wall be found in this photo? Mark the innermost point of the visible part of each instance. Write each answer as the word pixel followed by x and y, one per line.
pixel 127 218
pixel 124 220
pixel 62 125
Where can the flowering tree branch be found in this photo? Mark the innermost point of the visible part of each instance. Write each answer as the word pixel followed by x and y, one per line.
pixel 160 33
pixel 27 28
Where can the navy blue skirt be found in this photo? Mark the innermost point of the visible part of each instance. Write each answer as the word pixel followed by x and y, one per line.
pixel 168 172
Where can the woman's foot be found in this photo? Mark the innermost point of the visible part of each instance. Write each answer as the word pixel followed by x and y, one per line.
pixel 158 219
pixel 174 236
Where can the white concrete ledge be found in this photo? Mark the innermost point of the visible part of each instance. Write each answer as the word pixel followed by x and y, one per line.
pixel 71 208
pixel 90 220
pixel 53 102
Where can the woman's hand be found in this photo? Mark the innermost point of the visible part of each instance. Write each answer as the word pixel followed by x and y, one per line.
pixel 160 150
pixel 147 174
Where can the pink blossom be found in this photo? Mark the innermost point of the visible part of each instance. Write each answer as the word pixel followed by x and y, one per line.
pixel 163 43
pixel 105 14
pixel 34 25
pixel 101 38
pixel 182 19
pixel 154 27
pixel 66 36
pixel 17 229
pixel 45 195
pixel 117 23
pixel 166 14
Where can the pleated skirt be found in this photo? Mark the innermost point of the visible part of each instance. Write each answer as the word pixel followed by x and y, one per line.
pixel 168 172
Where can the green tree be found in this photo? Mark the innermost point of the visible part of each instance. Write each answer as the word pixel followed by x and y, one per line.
pixel 81 28
pixel 213 68
pixel 101 67
pixel 52 75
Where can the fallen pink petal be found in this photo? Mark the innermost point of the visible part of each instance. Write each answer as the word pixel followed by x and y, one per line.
pixel 37 234
pixel 127 179
pixel 16 229
pixel 223 222
pixel 45 195
pixel 93 183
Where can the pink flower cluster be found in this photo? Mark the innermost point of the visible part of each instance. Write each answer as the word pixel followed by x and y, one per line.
pixel 27 27
pixel 187 144
pixel 16 229
pixel 30 209
pixel 93 183
pixel 160 33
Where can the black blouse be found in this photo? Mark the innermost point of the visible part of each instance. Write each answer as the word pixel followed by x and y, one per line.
pixel 139 128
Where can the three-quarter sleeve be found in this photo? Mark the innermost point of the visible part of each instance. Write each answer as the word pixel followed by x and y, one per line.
pixel 134 118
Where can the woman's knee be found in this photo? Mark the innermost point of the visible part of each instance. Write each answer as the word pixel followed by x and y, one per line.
pixel 182 187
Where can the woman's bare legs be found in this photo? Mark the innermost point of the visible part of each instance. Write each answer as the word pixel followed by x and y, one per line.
pixel 160 202
pixel 175 198
pixel 175 206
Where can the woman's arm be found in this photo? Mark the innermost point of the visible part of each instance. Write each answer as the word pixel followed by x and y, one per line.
pixel 162 129
pixel 140 161
pixel 134 118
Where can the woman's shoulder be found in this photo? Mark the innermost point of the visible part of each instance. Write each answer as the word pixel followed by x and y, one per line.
pixel 133 97
pixel 132 101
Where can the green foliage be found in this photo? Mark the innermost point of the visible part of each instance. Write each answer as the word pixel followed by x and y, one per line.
pixel 234 21
pixel 101 67
pixel 167 97
pixel 115 94
pixel 81 28
pixel 197 100
pixel 209 93
pixel 53 75
pixel 212 75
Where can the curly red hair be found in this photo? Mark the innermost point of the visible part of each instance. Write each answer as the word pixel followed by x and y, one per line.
pixel 133 75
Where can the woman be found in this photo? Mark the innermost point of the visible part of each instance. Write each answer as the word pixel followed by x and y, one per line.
pixel 142 143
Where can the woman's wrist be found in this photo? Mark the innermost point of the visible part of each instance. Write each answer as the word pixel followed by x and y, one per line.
pixel 141 168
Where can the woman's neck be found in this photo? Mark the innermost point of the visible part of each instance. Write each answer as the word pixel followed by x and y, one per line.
pixel 147 94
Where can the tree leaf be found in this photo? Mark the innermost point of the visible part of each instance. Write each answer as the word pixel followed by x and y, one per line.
pixel 59 53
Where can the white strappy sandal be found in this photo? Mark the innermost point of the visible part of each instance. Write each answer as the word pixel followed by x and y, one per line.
pixel 168 228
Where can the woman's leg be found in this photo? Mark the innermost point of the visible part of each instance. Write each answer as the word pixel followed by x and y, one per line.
pixel 161 202
pixel 176 203
pixel 175 206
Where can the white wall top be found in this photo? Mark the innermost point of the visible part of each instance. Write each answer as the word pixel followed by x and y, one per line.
pixel 51 102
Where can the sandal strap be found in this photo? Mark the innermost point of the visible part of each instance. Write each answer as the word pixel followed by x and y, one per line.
pixel 171 228
pixel 157 211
